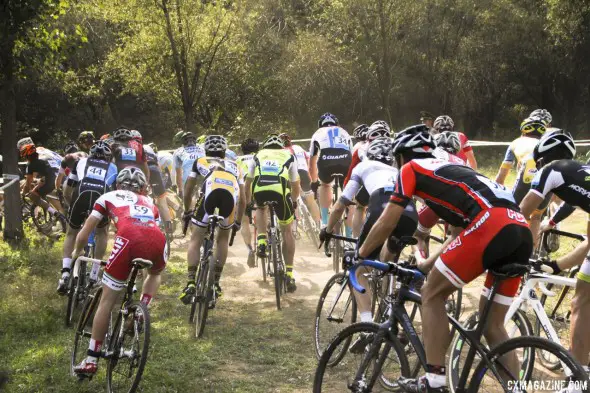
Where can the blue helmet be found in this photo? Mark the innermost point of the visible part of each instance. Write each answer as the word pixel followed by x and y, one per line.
pixel 327 119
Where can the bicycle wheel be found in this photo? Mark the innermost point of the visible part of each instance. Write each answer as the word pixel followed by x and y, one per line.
pixel 204 294
pixel 336 309
pixel 278 274
pixel 129 347
pixel 484 380
pixel 72 300
pixel 310 229
pixel 384 361
pixel 262 262
pixel 84 329
pixel 454 303
pixel 519 326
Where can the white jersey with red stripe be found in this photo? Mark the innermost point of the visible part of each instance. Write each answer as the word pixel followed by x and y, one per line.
pixel 301 156
pixel 446 156
pixel 129 211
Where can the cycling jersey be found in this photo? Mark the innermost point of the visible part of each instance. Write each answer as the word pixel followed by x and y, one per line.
pixel 156 180
pixel 230 155
pixel 465 146
pixel 373 175
pixel 151 157
pixel 444 155
pixel 243 165
pixel 301 157
pixel 53 159
pixel 518 150
pixel 165 163
pixel 138 235
pixel 185 157
pixel 359 152
pixel 220 190
pixel 455 192
pixel 44 170
pixel 128 153
pixel 568 179
pixel 68 164
pixel 333 146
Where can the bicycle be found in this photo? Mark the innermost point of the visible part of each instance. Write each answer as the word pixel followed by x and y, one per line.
pixel 381 339
pixel 308 225
pixel 337 248
pixel 126 343
pixel 275 267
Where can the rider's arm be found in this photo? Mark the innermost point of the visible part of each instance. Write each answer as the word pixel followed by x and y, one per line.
pixel 241 203
pixel 59 179
pixel 530 203
pixel 576 257
pixel 336 213
pixel 509 160
pixel 146 169
pixel 382 229
pixel 564 211
pixel 188 192
pixel 294 180
pixel 89 225
pixel 28 182
pixel 313 161
pixel 471 159
pixel 248 190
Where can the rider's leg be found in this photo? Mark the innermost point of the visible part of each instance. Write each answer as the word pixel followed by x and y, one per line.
pixel 288 247
pixel 535 224
pixel 358 218
pixel 69 242
pixel 194 250
pixel 348 222
pixel 580 319
pixel 38 200
pixel 162 204
pixel 325 197
pixel 221 252
pixel 261 222
pixel 312 206
pixel 150 286
pixel 363 300
pixel 246 232
pixel 101 238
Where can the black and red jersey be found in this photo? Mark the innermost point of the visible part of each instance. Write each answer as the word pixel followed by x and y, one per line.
pixel 129 153
pixel 456 193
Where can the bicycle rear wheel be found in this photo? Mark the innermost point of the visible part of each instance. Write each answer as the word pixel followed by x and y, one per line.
pixel 72 300
pixel 484 380
pixel 336 309
pixel 204 294
pixel 84 329
pixel 278 273
pixel 129 347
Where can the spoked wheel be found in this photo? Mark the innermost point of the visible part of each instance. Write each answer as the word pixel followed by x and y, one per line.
pixel 41 219
pixel 72 300
pixel 277 274
pixel 262 262
pixel 203 296
pixel 129 347
pixel 84 329
pixel 337 251
pixel 365 363
pixel 336 309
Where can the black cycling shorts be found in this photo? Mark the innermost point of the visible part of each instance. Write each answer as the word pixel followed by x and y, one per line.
pixel 520 190
pixel 328 166
pixel 284 209
pixel 156 181
pixel 46 188
pixel 220 199
pixel 81 208
pixel 362 197
pixel 305 180
pixel 406 226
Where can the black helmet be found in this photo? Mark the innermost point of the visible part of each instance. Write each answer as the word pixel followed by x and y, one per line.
pixel 71 147
pixel 448 141
pixel 250 146
pixel 378 129
pixel 555 145
pixel 381 149
pixel 188 139
pixel 414 139
pixel 101 149
pixel 360 133
pixel 86 137
pixel 327 119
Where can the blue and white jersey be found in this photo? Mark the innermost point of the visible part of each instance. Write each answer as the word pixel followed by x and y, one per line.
pixel 330 138
pixel 231 155
pixel 184 158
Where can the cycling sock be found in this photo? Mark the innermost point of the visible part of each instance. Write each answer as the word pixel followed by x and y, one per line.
pixel 146 299
pixel 51 210
pixel 436 376
pixel 192 273
pixel 93 349
pixel 66 263
pixel 348 231
pixel 366 316
pixel 289 270
pixel 65 272
pixel 261 239
pixel 325 213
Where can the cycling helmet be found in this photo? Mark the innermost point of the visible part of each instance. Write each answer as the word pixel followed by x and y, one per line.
pixel 533 126
pixel 71 147
pixel 443 123
pixel 154 147
pixel 136 135
pixel 273 142
pixel 556 145
pixel 189 139
pixel 448 141
pixel 360 133
pixel 101 149
pixel 131 178
pixel 381 149
pixel 543 114
pixel 250 146
pixel 383 124
pixel 122 134
pixel 23 142
pixel 215 144
pixel 327 119
pixel 377 130
pixel 414 139
pixel 286 139
pixel 177 138
pixel 86 137
pixel 27 151
pixel 105 137
pixel 201 139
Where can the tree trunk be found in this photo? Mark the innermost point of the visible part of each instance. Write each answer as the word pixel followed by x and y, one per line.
pixel 13 226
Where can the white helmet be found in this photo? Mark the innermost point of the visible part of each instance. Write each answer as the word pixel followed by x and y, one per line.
pixel 448 141
pixel 542 114
pixel 378 130
pixel 215 143
pixel 122 134
pixel 132 177
pixel 443 123
pixel 381 149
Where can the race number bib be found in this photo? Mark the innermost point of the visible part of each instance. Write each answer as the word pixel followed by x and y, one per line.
pixel 128 154
pixel 96 173
pixel 337 140
pixel 141 212
pixel 55 164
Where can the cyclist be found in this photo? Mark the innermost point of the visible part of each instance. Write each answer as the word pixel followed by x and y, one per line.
pixel 184 158
pixel 377 175
pixel 67 166
pixel 559 174
pixel 427 119
pixel 330 152
pixel 272 176
pixel 128 150
pixel 544 115
pixel 42 168
pixel 91 178
pixel 360 136
pixel 445 123
pixel 249 148
pixel 520 152
pixel 222 188
pixel 495 234
pixel 86 140
pixel 302 158
pixel 164 164
pixel 157 185
pixel 138 236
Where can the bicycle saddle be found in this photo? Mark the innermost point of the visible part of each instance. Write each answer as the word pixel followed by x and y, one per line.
pixel 510 270
pixel 142 263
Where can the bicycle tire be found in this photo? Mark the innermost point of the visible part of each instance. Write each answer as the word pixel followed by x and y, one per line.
pixel 83 330
pixel 535 344
pixel 72 300
pixel 346 335
pixel 139 348
pixel 521 322
pixel 278 278
pixel 310 229
pixel 263 264
pixel 344 294
pixel 204 295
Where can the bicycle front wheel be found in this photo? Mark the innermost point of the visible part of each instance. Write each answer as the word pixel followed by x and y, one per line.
pixel 129 347
pixel 367 362
pixel 486 379
pixel 84 329
pixel 204 294
pixel 336 309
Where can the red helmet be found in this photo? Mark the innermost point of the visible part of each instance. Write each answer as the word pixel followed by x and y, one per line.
pixel 27 151
pixel 286 139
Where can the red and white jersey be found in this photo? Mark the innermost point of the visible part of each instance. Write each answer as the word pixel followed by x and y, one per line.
pixel 128 210
pixel 465 146
pixel 301 156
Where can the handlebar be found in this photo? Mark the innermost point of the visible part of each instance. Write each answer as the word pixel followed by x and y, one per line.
pixel 384 267
pixel 92 260
pixel 233 235
pixel 567 234
pixel 337 237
